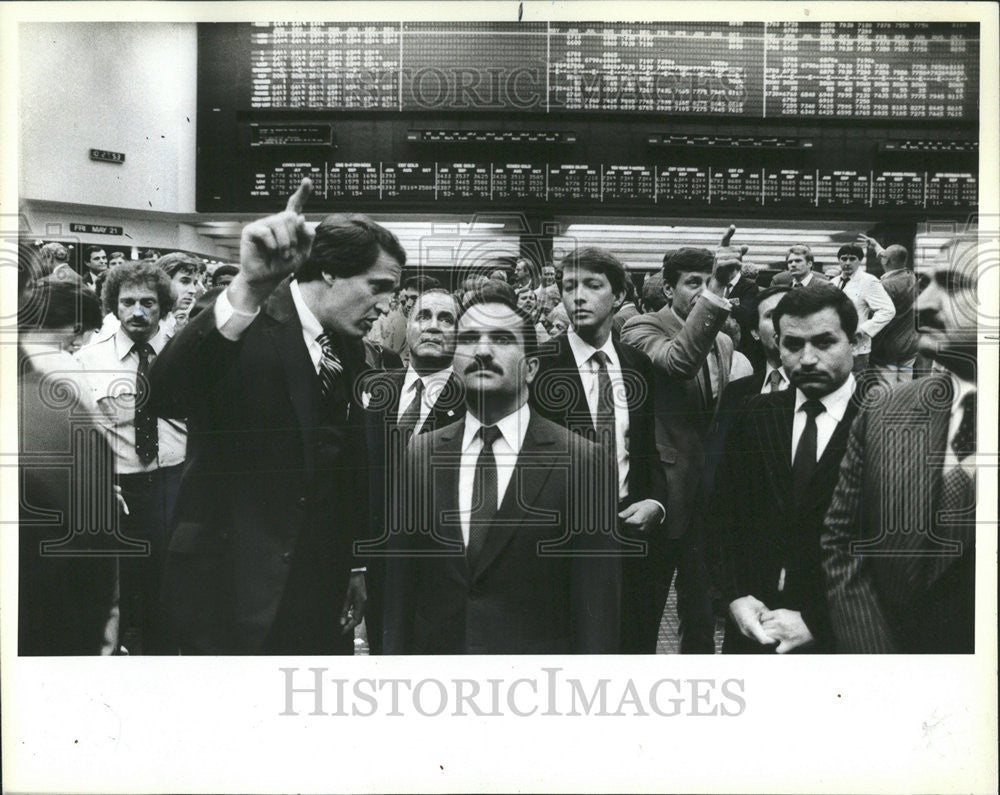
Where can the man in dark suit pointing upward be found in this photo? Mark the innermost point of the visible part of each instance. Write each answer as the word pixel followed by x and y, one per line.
pixel 261 553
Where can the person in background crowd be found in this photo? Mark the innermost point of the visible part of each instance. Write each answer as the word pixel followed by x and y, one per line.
pixel 149 453
pixel 628 309
pixel 275 496
pixel 799 263
pixel 512 558
pixel 691 364
pixel 611 385
pixel 832 270
pixel 470 286
pixel 653 295
pixel 894 349
pixel 499 274
pixel 116 258
pixel 524 276
pixel 67 579
pixel 223 275
pixel 96 262
pixel 408 401
pixel 185 281
pixel 777 477
pixel 527 302
pixel 558 321
pixel 53 260
pixel 903 580
pixel 548 291
pixel 740 292
pixel 875 307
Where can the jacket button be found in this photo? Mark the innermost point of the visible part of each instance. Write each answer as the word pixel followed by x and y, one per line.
pixel 286 556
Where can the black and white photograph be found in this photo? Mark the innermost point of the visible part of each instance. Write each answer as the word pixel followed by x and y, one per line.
pixel 502 396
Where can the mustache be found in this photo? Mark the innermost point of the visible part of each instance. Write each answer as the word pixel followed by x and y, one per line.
pixel 928 319
pixel 483 365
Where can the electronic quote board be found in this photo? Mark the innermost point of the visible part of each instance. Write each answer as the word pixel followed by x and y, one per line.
pixel 886 70
pixel 618 184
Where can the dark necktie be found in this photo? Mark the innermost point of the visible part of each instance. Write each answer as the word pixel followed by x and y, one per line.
pixel 484 492
pixel 147 439
pixel 411 417
pixel 958 488
pixel 604 422
pixel 843 281
pixel 706 377
pixel 805 454
pixel 728 291
pixel 774 381
pixel 330 368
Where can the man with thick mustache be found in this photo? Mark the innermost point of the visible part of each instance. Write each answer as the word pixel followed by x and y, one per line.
pixel 508 540
pixel 776 479
pixel 903 580
pixel 149 453
pixel 274 496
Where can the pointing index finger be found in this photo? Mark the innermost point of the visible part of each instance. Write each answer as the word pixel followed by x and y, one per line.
pixel 297 201
pixel 729 235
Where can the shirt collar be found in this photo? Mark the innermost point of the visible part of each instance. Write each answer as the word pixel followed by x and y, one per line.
pixel 961 388
pixel 768 370
pixel 733 282
pixel 804 281
pixel 836 402
pixel 124 343
pixel 513 428
pixel 310 325
pixel 432 380
pixel 583 350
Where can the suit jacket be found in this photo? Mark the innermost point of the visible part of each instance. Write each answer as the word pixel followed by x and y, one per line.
pixel 684 409
pixel 731 407
pixel 257 489
pixel 897 342
pixel 903 586
pixel 538 586
pixel 382 392
pixel 760 527
pixel 785 277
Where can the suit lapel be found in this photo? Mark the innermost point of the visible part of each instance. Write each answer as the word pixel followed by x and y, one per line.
pixel 527 480
pixel 447 406
pixel 776 430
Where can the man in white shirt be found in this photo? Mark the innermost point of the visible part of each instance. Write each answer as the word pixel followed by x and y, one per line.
pixel 778 474
pixel 903 580
pixel 149 452
pixel 875 307
pixel 508 544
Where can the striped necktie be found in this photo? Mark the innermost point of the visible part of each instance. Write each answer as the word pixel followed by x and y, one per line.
pixel 330 367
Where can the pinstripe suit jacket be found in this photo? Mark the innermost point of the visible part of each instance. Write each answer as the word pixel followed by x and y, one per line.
pixel 897 578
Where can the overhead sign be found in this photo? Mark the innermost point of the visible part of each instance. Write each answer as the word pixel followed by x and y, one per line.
pixel 95 229
pixel 107 157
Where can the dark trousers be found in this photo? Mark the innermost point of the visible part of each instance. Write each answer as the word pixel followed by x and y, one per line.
pixel 151 497
pixel 696 617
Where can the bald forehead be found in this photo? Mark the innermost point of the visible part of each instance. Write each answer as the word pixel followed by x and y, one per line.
pixel 435 302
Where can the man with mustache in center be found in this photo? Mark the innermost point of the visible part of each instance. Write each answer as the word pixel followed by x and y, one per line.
pixel 507 541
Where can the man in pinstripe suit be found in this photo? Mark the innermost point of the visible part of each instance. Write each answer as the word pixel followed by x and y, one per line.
pixel 898 544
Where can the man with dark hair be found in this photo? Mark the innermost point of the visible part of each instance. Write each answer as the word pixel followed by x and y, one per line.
pixel 184 271
pixel 691 362
pixel 874 306
pixel 149 452
pixel 777 478
pixel 515 550
pixel 261 554
pixel 899 542
pixel 96 261
pixel 799 262
pixel 653 298
pixel 224 275
pixel 894 350
pixel 610 385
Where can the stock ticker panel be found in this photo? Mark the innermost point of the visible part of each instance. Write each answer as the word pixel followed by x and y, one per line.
pixel 369 185
pixel 889 70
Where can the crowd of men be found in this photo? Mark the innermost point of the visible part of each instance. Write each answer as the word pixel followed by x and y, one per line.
pixel 525 465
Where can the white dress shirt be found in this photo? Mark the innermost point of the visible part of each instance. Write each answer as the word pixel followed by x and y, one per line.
pixel 875 307
pixel 588 370
pixel 826 423
pixel 433 385
pixel 961 388
pixel 805 281
pixel 785 383
pixel 111 366
pixel 513 428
